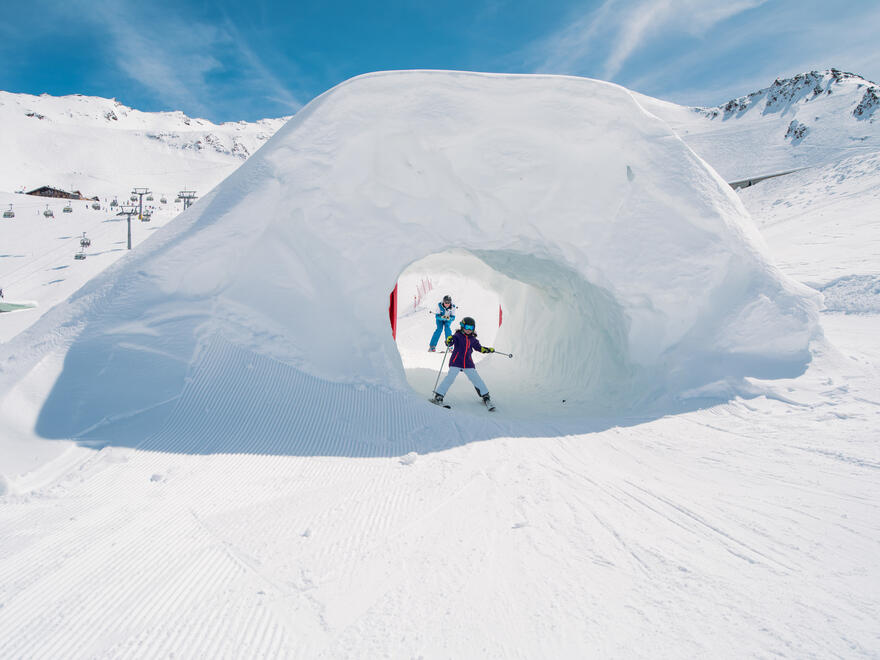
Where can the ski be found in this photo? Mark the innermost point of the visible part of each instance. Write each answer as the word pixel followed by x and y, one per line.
pixel 442 405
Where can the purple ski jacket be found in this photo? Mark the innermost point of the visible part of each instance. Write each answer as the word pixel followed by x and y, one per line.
pixel 462 346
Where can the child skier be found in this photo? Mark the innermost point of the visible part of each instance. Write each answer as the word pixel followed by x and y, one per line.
pixel 445 315
pixel 463 342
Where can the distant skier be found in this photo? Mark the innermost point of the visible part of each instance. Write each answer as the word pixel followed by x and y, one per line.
pixel 445 315
pixel 463 343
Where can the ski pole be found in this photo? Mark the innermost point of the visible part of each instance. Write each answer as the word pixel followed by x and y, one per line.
pixel 497 352
pixel 441 369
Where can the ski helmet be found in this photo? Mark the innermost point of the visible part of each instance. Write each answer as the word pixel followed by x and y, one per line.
pixel 469 323
pixel 447 299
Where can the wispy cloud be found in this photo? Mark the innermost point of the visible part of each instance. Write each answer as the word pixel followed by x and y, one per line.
pixel 184 64
pixel 604 39
pixel 781 40
pixel 274 88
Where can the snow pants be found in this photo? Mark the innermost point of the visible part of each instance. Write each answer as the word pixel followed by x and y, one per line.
pixel 470 373
pixel 443 326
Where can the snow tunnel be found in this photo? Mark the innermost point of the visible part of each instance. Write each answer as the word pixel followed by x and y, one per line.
pixel 629 273
pixel 568 336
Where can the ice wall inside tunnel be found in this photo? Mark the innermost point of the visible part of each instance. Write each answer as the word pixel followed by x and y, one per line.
pixel 594 216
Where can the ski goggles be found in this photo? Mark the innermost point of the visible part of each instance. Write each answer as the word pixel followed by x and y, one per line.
pixel 468 327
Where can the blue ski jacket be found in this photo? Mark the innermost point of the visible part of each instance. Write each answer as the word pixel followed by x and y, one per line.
pixel 462 347
pixel 445 314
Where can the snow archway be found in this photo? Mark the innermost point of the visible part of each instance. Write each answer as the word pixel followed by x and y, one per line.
pixel 568 336
pixel 591 215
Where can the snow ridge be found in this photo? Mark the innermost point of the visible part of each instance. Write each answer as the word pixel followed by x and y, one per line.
pixel 103 147
pixel 801 89
pixel 175 129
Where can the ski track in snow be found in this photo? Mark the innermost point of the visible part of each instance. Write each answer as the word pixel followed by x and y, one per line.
pixel 732 530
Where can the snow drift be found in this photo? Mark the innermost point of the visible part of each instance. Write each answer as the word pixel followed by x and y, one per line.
pixel 630 274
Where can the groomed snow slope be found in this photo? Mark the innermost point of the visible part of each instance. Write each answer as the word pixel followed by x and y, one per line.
pixel 268 298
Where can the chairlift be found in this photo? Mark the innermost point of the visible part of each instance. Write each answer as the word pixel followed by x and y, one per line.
pixel 146 217
pixel 149 198
pixel 68 209
pixel 96 206
pixel 114 203
pixel 48 212
pixel 10 213
pixel 163 200
pixel 79 256
pixel 134 198
pixel 179 199
pixel 85 242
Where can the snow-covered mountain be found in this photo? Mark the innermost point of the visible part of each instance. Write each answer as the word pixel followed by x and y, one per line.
pixel 103 147
pixel 810 119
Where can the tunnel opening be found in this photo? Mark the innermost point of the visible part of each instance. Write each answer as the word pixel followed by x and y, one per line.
pixel 567 335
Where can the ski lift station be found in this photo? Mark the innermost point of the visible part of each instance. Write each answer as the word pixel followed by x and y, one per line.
pixel 628 271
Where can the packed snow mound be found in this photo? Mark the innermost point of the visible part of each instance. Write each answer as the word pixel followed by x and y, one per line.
pixel 810 119
pixel 630 274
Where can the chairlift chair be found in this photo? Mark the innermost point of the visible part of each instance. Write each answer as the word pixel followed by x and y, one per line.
pixel 114 203
pixel 96 206
pixel 79 256
pixel 149 198
pixel 10 213
pixel 147 217
pixel 68 209
pixel 85 242
pixel 134 198
pixel 48 212
pixel 163 200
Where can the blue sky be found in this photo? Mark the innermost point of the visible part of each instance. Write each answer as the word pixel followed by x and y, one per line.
pixel 225 60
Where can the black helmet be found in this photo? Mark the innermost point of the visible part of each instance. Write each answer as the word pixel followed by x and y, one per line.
pixel 447 299
pixel 469 323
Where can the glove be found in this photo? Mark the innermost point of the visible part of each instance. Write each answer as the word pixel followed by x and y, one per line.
pixel 486 349
pixel 449 340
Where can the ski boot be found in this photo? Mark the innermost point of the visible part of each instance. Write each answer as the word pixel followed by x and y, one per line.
pixel 432 349
pixel 488 401
pixel 438 401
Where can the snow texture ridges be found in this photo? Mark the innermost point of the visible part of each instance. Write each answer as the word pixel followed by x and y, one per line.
pixel 858 294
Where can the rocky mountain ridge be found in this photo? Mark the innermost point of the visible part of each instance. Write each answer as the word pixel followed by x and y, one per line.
pixel 802 89
pixel 175 129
